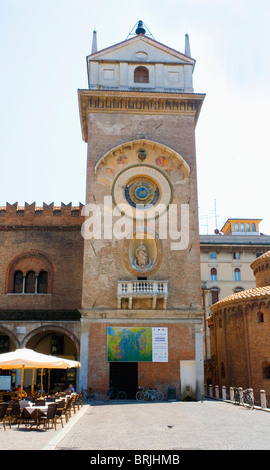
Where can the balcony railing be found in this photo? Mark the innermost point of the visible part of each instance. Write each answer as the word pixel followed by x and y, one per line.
pixel 142 289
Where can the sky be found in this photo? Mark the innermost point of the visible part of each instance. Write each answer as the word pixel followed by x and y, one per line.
pixel 43 49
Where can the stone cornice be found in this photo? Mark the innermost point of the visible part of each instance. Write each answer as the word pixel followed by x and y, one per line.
pixel 132 102
pixel 102 315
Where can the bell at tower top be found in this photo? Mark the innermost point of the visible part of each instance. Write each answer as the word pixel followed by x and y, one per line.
pixel 140 29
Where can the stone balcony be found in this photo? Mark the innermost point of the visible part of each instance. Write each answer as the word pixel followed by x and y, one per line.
pixel 131 290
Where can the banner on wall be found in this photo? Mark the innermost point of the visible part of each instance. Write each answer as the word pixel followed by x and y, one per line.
pixel 137 344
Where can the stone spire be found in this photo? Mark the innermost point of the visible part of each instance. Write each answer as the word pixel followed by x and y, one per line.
pixel 94 42
pixel 187 45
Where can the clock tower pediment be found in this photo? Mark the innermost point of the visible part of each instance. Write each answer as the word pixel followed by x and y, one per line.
pixel 140 63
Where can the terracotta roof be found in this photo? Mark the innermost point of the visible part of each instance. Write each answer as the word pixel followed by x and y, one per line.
pixel 249 294
pixel 258 260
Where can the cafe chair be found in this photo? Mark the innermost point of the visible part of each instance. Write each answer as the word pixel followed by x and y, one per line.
pixel 60 411
pixel 3 409
pixel 50 416
pixel 9 410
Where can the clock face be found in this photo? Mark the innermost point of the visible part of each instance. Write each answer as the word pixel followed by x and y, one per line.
pixel 142 188
pixel 142 191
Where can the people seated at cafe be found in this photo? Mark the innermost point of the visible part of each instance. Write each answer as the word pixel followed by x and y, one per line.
pixel 20 392
pixel 70 389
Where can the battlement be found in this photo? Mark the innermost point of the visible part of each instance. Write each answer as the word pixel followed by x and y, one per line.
pixel 47 214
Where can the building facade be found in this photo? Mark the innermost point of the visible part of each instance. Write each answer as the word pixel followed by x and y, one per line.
pixel 116 283
pixel 41 254
pixel 239 331
pixel 225 264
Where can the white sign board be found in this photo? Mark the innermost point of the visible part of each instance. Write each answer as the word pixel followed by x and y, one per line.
pixel 160 344
pixel 5 382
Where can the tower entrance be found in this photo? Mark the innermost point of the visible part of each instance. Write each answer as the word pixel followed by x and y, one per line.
pixel 124 376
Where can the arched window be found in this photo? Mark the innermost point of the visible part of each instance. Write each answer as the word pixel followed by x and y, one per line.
pixel 247 227
pixel 238 289
pixel 242 227
pixel 30 273
pixel 253 227
pixel 141 75
pixel 236 227
pixel 237 274
pixel 18 282
pixel 213 274
pixel 42 282
pixel 30 283
pixel 214 296
pixel 260 317
pixel 266 370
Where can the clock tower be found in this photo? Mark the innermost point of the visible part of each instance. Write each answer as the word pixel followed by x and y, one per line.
pixel 141 304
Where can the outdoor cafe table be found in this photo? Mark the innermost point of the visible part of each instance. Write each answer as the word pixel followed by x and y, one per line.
pixel 31 409
pixel 34 413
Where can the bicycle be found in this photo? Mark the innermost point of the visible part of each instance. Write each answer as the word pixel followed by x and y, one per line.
pixel 90 394
pixel 154 394
pixel 247 398
pixel 111 395
pixel 141 394
pixel 147 394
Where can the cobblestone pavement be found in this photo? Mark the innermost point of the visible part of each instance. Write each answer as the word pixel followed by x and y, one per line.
pixel 207 425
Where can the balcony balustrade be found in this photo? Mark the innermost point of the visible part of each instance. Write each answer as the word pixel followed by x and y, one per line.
pixel 142 289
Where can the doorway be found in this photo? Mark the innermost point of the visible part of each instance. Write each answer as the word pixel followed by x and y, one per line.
pixel 124 376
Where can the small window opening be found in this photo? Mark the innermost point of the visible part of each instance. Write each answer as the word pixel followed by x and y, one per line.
pixel 141 75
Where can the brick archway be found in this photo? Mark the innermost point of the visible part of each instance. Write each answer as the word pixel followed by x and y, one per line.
pixel 46 330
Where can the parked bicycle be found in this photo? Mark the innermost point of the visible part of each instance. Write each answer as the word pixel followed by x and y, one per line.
pixel 149 394
pixel 248 398
pixel 112 395
pixel 91 395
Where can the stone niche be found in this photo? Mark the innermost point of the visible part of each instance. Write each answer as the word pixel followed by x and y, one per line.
pixel 142 253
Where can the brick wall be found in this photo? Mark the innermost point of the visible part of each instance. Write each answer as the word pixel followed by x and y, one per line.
pixel 181 345
pixel 42 237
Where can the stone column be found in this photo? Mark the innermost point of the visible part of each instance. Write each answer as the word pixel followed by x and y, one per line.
pixel 263 399
pixel 84 351
pixel 199 362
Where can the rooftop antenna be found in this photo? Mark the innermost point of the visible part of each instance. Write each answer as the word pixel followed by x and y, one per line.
pixel 206 224
pixel 215 209
pixel 140 28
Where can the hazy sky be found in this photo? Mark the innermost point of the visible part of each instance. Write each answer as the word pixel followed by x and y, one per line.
pixel 43 52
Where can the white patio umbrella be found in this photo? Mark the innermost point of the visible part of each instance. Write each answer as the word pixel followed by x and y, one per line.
pixel 29 359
